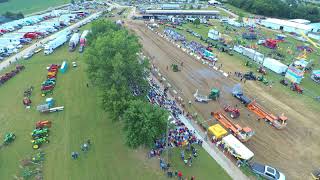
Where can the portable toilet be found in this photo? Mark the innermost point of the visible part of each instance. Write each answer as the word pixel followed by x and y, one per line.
pixel 50 102
pixel 64 67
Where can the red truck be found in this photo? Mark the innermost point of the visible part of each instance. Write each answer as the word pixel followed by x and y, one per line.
pixel 31 35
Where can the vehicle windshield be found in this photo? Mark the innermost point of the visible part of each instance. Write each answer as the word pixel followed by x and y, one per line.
pixel 277 175
pixel 270 170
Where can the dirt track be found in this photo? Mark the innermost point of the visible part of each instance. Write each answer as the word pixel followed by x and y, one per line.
pixel 294 150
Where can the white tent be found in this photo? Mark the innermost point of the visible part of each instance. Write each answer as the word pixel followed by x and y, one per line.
pixel 252 54
pixel 237 149
pixel 274 65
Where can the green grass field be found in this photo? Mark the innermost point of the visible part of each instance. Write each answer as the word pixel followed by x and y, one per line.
pixel 109 157
pixel 30 6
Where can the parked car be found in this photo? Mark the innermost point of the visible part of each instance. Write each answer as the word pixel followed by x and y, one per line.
pixel 267 172
pixel 37 50
pixel 1 58
pixel 5 54
pixel 19 46
pixel 28 55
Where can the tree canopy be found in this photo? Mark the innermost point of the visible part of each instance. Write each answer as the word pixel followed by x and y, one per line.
pixel 196 22
pixel 115 67
pixel 144 123
pixel 281 9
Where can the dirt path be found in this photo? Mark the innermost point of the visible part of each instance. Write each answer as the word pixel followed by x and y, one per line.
pixel 294 150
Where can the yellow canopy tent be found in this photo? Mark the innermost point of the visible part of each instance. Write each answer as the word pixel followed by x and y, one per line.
pixel 217 130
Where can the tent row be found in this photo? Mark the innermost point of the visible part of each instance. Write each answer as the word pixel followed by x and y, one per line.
pixel 272 64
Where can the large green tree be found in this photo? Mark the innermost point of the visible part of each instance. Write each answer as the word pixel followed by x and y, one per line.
pixel 144 123
pixel 113 66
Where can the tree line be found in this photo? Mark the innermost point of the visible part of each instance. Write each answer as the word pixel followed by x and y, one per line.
pixel 3 1
pixel 116 68
pixel 290 9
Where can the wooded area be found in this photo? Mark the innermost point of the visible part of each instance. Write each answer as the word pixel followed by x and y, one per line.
pixel 281 9
pixel 115 67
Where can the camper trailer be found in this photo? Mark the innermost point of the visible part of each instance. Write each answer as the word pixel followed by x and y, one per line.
pixel 74 40
pixel 52 45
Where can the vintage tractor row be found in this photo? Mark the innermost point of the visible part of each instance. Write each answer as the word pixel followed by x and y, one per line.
pixel 40 134
pixel 4 78
pixel 48 85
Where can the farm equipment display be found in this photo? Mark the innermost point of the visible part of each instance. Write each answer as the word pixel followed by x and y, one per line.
pixel 26 101
pixel 36 143
pixel 271 43
pixel 296 87
pixel 48 85
pixel 41 132
pixel 28 92
pixel 43 124
pixel 234 112
pixel 262 70
pixel 4 78
pixel 9 138
pixel 278 122
pixel 214 95
pixel 221 46
pixel 263 79
pixel 284 82
pixel 243 134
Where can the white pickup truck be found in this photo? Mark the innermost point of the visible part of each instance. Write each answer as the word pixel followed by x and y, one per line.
pixel 267 172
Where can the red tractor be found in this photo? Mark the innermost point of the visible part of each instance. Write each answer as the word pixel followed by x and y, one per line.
pixel 43 124
pixel 296 87
pixel 45 88
pixel 262 70
pixel 235 113
pixel 26 101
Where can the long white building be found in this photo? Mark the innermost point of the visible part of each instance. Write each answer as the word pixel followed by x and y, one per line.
pixel 287 26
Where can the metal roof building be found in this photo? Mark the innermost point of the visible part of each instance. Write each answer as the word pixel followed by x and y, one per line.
pixel 287 26
pixel 170 6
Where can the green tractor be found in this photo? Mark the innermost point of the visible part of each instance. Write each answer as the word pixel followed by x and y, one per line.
pixel 36 143
pixel 214 94
pixel 263 79
pixel 9 138
pixel 248 63
pixel 39 157
pixel 174 67
pixel 40 133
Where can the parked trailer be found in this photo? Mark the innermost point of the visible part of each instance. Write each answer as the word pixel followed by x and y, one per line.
pixel 74 40
pixel 52 45
pixel 83 37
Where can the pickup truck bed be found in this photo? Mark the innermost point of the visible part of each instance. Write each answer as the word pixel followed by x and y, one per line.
pixel 258 168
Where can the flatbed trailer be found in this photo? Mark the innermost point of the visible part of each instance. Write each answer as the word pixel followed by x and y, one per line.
pixel 243 134
pixel 279 122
